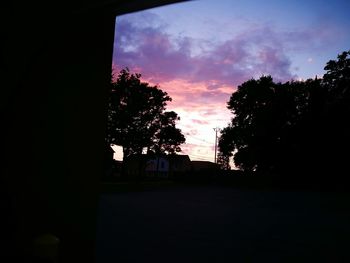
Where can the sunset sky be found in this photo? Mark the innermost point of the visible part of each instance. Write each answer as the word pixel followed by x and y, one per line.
pixel 200 51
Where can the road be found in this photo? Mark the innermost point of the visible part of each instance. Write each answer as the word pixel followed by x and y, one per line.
pixel 223 224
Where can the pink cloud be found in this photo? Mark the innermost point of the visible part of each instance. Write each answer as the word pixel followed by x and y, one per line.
pixel 200 121
pixel 192 132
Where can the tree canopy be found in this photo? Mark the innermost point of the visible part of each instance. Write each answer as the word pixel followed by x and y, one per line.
pixel 137 118
pixel 293 125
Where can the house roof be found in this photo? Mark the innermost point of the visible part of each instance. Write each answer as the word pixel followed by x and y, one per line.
pixel 110 149
pixel 204 165
pixel 173 158
pixel 178 157
pixel 203 162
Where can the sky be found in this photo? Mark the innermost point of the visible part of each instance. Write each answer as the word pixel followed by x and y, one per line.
pixel 199 52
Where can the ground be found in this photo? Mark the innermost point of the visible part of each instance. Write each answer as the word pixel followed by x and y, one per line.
pixel 222 224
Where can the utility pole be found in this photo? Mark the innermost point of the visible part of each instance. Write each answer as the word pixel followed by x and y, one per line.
pixel 216 142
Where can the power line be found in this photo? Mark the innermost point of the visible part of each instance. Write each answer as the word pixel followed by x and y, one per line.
pixel 199 139
pixel 198 144
pixel 200 156
pixel 200 149
pixel 197 154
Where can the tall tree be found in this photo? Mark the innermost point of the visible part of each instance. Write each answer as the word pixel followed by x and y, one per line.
pixel 270 127
pixel 167 138
pixel 137 118
pixel 223 161
pixel 337 122
pixel 226 147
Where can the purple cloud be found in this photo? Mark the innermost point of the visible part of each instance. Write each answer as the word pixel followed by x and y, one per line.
pixel 151 50
pixel 163 57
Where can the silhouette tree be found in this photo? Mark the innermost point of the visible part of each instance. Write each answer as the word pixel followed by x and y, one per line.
pixel 299 128
pixel 167 138
pixel 137 118
pixel 336 81
pixel 223 161
pixel 226 147
pixel 337 76
pixel 271 125
pixel 252 128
